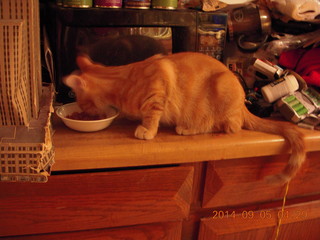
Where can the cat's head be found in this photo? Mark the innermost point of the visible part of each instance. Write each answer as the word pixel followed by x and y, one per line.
pixel 84 88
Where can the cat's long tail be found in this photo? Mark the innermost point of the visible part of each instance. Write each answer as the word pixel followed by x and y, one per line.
pixel 291 133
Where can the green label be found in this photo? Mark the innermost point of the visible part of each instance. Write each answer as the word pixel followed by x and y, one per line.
pixel 166 4
pixel 77 3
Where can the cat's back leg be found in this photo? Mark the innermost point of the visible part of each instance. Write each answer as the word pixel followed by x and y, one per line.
pixel 198 124
pixel 232 123
pixel 197 115
pixel 227 101
pixel 181 130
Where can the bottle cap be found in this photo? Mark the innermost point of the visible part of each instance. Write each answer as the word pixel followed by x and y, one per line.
pixel 292 83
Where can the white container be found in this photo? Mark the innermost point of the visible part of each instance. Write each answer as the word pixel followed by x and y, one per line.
pixel 280 88
pixel 270 70
pixel 85 125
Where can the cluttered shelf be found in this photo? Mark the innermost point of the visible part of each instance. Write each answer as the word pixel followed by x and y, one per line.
pixel 125 17
pixel 116 147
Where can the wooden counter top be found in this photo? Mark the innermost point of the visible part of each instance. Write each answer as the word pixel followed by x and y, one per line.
pixel 116 146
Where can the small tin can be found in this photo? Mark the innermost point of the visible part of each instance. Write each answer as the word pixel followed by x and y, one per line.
pixel 165 4
pixel 59 2
pixel 108 3
pixel 137 4
pixel 77 3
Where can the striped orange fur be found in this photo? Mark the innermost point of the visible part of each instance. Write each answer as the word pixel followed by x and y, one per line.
pixel 194 92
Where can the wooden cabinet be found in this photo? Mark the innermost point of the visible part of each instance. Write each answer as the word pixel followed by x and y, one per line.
pixel 157 231
pixel 241 181
pixel 300 221
pixel 113 186
pixel 74 202
pixel 235 189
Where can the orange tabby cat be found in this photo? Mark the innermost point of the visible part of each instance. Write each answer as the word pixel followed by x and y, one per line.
pixel 192 91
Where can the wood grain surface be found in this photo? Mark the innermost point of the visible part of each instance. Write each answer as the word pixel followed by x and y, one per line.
pixel 116 146
pixel 74 202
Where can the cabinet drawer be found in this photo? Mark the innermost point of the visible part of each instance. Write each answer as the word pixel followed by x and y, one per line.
pixel 300 221
pixel 74 202
pixel 241 181
pixel 157 231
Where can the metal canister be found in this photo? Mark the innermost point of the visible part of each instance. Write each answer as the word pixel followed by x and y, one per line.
pixel 138 4
pixel 59 2
pixel 77 3
pixel 165 4
pixel 249 19
pixel 108 3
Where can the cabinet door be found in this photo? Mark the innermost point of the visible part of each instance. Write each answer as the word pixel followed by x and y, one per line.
pixel 75 202
pixel 241 181
pixel 157 231
pixel 298 222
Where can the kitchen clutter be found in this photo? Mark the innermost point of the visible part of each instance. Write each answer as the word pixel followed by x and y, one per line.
pixel 279 58
pixel 272 45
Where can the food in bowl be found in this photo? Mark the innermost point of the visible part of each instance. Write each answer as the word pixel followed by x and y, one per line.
pixel 84 116
pixel 73 117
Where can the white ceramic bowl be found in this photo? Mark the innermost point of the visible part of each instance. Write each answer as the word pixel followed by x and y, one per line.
pixel 85 125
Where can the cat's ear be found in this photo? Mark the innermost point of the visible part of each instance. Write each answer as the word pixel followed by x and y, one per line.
pixel 75 82
pixel 83 62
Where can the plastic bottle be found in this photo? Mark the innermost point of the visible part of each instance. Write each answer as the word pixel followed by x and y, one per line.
pixel 280 88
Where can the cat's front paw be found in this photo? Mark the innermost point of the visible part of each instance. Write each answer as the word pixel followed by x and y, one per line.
pixel 143 133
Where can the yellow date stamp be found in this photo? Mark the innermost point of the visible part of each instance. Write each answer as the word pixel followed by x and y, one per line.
pixel 261 214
